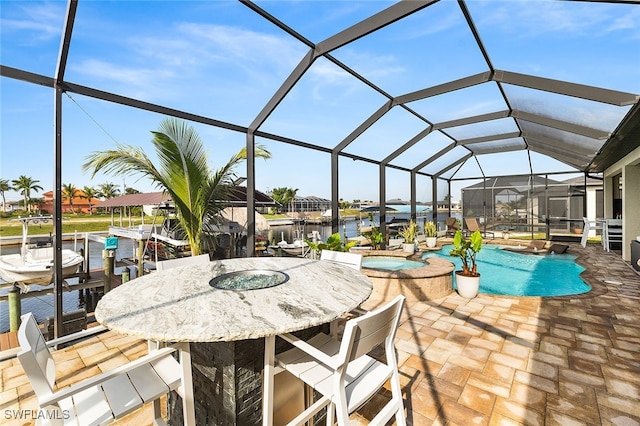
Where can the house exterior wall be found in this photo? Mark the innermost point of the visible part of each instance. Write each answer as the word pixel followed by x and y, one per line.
pixel 629 166
pixel 592 206
pixel 79 203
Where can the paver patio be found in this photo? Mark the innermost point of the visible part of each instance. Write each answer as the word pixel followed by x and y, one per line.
pixel 487 361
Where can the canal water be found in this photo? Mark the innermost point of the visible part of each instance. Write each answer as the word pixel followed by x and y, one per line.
pixel 349 227
pixel 43 306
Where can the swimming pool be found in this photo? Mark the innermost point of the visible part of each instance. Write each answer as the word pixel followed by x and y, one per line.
pixel 514 274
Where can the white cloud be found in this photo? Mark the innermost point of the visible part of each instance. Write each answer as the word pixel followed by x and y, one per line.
pixel 533 18
pixel 628 24
pixel 37 22
pixel 192 54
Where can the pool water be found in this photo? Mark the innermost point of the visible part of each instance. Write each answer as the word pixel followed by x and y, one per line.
pixel 390 263
pixel 515 274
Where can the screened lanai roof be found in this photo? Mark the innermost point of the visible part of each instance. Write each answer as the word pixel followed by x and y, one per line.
pixel 453 91
pixel 446 89
pixel 431 89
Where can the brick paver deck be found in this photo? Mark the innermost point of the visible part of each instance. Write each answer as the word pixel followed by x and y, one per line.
pixel 492 360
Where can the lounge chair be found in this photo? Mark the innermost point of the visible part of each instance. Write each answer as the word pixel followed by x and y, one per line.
pixel 452 226
pixel 534 247
pixel 473 226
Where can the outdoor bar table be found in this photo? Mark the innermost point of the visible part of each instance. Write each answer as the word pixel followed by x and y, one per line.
pixel 232 332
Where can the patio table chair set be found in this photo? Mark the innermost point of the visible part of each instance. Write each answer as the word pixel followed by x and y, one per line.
pixel 471 224
pixel 610 230
pixel 109 396
pixel 342 371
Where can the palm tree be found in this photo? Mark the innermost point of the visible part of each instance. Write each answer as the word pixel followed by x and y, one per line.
pixel 108 190
pixel 37 202
pixel 4 186
pixel 283 196
pixel 198 193
pixel 89 194
pixel 69 191
pixel 25 185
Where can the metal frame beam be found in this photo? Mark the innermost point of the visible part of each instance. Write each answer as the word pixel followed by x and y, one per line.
pixel 582 91
pixel 560 124
pixel 435 156
pixel 471 120
pixel 489 138
pixel 440 89
pixel 61 66
pixel 560 145
pixel 483 151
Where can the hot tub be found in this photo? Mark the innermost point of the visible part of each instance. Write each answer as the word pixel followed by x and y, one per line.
pixel 393 273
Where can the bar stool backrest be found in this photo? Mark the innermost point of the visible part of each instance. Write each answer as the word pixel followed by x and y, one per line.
pixel 35 357
pixel 353 260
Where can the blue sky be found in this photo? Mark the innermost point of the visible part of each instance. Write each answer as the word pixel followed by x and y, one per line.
pixel 219 59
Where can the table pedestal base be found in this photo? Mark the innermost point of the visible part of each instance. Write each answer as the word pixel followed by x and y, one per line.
pixel 227 382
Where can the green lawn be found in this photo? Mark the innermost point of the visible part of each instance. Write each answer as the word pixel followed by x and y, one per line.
pixel 9 227
pixel 81 223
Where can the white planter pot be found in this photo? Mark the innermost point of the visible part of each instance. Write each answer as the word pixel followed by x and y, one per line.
pixel 409 248
pixel 467 286
pixel 431 241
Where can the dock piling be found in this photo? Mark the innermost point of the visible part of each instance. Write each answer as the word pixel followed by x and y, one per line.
pixel 15 308
pixel 109 258
pixel 140 257
pixel 126 275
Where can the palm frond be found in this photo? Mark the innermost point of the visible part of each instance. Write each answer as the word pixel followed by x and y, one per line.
pixel 125 160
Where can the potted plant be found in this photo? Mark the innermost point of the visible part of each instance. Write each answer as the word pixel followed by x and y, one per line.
pixel 334 242
pixel 468 279
pixel 375 238
pixel 431 233
pixel 408 232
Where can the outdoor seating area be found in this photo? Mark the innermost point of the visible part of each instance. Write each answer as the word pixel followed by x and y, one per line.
pixel 114 394
pixel 610 231
pixel 410 124
pixel 473 226
pixel 452 226
pixel 489 360
pixel 533 247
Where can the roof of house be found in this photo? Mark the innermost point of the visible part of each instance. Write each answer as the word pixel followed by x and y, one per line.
pixel 238 197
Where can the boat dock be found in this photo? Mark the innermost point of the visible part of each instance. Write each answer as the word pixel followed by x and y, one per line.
pixel 94 285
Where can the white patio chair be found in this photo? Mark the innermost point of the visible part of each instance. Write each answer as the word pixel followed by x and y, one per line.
pixel 613 232
pixel 108 396
pixel 589 225
pixel 343 373
pixel 353 260
pixel 163 265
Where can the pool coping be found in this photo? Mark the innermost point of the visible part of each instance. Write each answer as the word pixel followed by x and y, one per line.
pixel 432 268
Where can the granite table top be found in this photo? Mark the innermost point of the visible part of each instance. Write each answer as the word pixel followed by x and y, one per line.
pixel 179 304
